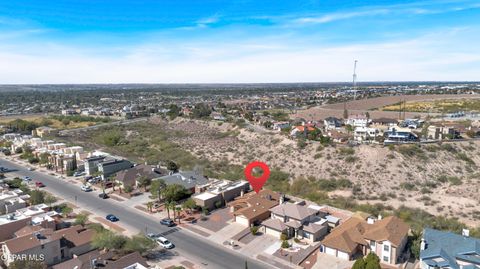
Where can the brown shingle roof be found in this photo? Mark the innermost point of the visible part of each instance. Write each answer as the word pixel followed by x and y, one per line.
pixel 129 176
pixel 347 236
pixel 76 236
pixel 258 204
pixel 390 228
pixel 298 212
pixel 355 231
pixel 275 224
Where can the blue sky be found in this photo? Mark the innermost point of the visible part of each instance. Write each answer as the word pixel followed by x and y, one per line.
pixel 237 41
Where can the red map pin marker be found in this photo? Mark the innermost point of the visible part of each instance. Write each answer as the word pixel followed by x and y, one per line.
pixel 257 182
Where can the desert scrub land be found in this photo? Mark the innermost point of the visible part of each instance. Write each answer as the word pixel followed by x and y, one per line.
pixel 438 106
pixel 441 179
pixel 28 123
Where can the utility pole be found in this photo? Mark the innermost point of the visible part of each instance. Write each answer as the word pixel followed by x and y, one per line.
pixel 355 79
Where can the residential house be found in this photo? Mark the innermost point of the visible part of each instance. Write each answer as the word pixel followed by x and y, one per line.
pixel 440 249
pixel 11 200
pixel 385 122
pixel 280 125
pixel 253 208
pixel 338 137
pixel 44 131
pixel 130 176
pixel 394 136
pixel 332 123
pixel 31 216
pixel 412 123
pixel 220 192
pixel 302 130
pixel 91 164
pixel 439 131
pixel 296 220
pixel 108 260
pixel 362 134
pixel 358 121
pixel 356 237
pixel 110 167
pixel 55 246
pixel 191 180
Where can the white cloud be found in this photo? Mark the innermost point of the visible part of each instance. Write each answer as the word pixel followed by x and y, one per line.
pixel 448 55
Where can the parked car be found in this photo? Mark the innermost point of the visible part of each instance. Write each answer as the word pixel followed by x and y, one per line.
pixel 108 184
pixel 92 180
pixel 31 169
pixel 77 174
pixel 112 218
pixel 167 222
pixel 163 242
pixel 86 188
pixel 27 178
pixel 103 195
pixel 152 236
pixel 39 184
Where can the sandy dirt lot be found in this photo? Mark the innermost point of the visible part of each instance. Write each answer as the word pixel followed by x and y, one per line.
pixel 380 172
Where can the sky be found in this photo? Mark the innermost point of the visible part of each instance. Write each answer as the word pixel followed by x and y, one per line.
pixel 238 41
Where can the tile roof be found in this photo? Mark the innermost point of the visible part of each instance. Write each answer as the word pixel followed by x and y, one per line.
pixel 444 248
pixel 295 211
pixel 129 176
pixel 275 224
pixel 258 204
pixel 390 228
pixel 355 231
pixel 73 236
pixel 187 179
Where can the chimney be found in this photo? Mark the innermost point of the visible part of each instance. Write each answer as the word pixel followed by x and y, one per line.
pixel 282 199
pixel 423 244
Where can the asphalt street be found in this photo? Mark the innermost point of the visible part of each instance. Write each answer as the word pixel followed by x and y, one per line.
pixel 200 250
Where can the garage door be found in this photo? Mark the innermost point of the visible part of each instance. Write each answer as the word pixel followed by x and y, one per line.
pixel 242 220
pixel 331 251
pixel 273 233
pixel 343 255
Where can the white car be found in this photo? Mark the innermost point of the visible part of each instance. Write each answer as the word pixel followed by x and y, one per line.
pixel 163 242
pixel 86 188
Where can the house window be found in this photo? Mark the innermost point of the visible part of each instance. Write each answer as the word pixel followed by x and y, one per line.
pixel 385 258
pixel 372 244
pixel 386 248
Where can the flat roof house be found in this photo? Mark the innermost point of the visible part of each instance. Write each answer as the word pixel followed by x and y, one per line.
pixel 440 249
pixel 222 191
pixel 356 237
pixel 111 167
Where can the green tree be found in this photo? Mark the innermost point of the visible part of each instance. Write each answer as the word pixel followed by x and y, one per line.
pixel 172 166
pixel 108 240
pixel 157 187
pixel 49 199
pixel 372 261
pixel 359 264
pixel 175 192
pixel 189 204
pixel 144 181
pixel 66 211
pixel 37 197
pixel 150 206
pixel 44 158
pixel 128 189
pixel 139 243
pixel 81 219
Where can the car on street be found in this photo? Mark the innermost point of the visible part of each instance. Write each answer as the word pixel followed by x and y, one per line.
pixel 86 188
pixel 163 242
pixel 167 222
pixel 31 169
pixel 152 236
pixel 77 174
pixel 27 178
pixel 39 184
pixel 112 218
pixel 103 195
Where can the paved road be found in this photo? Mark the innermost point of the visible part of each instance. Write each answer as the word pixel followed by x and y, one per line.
pixel 187 244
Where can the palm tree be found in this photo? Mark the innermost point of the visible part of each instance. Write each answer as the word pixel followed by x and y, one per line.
pixel 173 205
pixel 167 207
pixel 150 206
pixel 178 209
